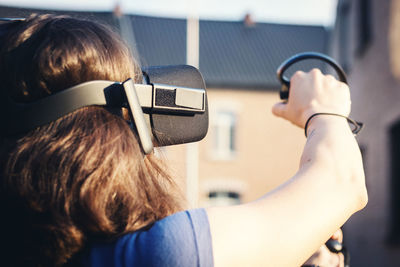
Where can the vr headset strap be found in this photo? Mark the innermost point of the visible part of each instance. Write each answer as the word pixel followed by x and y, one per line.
pixel 138 116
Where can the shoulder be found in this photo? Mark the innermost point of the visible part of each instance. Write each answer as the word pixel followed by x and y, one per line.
pixel 182 239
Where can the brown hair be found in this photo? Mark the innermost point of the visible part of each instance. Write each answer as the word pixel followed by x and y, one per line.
pixel 83 177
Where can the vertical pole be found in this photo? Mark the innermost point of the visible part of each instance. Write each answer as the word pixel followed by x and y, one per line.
pixel 192 149
pixel 125 28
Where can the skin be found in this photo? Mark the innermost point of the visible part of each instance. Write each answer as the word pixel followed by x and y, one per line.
pixel 288 224
pixel 323 257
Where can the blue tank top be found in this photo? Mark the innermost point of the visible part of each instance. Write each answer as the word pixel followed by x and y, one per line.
pixel 182 239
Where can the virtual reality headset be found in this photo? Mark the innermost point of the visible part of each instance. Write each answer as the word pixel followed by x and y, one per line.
pixel 169 107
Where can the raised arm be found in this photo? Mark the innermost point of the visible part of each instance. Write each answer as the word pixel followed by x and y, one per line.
pixel 285 226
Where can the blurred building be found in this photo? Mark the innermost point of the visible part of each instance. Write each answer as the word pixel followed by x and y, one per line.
pixel 366 40
pixel 247 151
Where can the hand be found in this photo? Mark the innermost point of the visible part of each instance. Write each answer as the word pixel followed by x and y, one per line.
pixel 313 92
pixel 323 257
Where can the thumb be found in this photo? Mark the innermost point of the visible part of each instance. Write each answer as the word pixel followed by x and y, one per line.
pixel 279 109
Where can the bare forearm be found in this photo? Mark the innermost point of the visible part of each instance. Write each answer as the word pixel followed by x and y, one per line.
pixel 328 188
pixel 296 218
pixel 332 150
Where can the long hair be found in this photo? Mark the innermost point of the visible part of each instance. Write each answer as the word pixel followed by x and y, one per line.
pixel 84 176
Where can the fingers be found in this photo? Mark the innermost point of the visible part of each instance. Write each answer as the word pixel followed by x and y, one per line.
pixel 311 93
pixel 297 75
pixel 279 109
pixel 323 257
pixel 338 235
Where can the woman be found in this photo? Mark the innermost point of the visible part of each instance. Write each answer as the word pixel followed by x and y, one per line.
pixel 80 190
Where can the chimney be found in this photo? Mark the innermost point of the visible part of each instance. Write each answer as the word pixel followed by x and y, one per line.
pixel 118 10
pixel 248 20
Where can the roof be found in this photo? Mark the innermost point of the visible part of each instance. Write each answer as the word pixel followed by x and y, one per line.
pixel 232 54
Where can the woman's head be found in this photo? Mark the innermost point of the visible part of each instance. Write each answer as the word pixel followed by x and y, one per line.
pixel 45 54
pixel 84 176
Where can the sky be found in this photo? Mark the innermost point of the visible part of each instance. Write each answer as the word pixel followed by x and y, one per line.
pixel 314 12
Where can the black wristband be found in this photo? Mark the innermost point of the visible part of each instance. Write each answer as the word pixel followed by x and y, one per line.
pixel 357 126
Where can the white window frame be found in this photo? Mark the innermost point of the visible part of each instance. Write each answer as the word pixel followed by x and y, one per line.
pixel 222 187
pixel 224 134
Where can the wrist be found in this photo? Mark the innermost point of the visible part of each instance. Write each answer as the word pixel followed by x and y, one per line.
pixel 322 121
pixel 355 129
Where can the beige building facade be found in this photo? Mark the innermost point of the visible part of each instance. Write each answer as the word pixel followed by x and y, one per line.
pixel 247 151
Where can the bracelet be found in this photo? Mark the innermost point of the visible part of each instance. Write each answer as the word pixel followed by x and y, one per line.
pixel 357 126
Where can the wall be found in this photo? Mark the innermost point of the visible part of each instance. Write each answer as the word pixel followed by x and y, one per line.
pixel 376 98
pixel 267 149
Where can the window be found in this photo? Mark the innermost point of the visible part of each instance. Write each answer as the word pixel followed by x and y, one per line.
pixel 394 235
pixel 364 26
pixel 224 133
pixel 343 25
pixel 223 198
pixel 224 191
